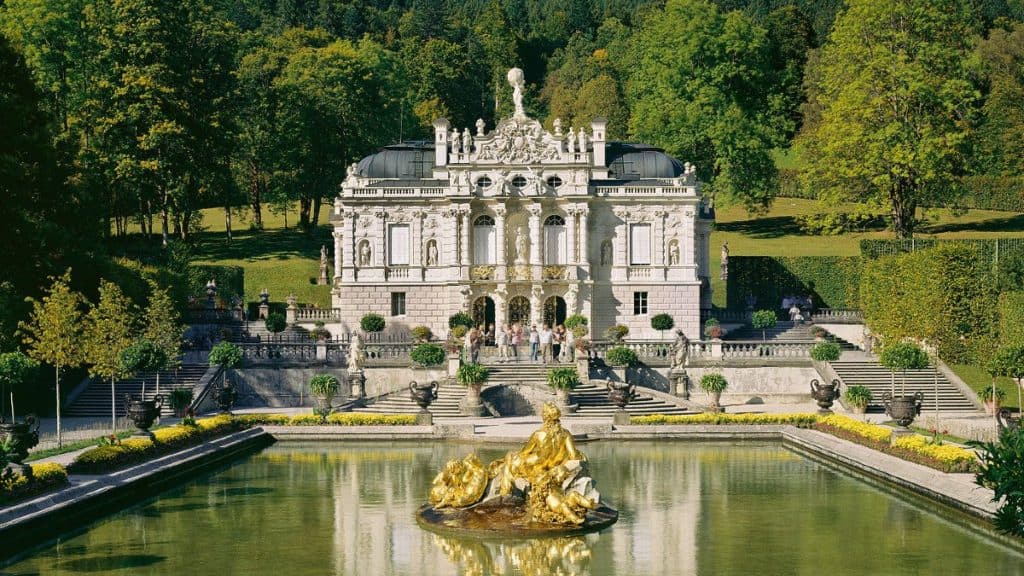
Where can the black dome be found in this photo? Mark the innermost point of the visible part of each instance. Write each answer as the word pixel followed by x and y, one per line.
pixel 633 161
pixel 404 160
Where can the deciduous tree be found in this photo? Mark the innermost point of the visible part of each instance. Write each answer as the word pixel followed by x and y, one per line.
pixel 108 333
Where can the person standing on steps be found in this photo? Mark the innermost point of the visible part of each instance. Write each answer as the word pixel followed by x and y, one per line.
pixel 515 339
pixel 545 343
pixel 503 343
pixel 534 343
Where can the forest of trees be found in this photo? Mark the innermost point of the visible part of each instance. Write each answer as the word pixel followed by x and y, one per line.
pixel 142 112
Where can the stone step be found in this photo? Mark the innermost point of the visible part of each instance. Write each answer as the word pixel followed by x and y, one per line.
pixel 879 380
pixel 94 401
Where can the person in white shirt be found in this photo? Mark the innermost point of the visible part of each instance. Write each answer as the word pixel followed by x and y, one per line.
pixel 503 339
pixel 545 343
pixel 534 342
pixel 570 345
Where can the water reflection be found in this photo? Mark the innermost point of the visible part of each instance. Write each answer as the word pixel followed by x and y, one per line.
pixel 536 557
pixel 685 508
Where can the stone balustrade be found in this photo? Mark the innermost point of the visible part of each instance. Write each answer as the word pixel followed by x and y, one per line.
pixel 314 314
pixel 660 352
pixel 837 316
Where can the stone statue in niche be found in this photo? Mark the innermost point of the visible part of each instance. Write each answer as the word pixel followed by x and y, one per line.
pixel 364 253
pixel 571 140
pixel 606 253
pixel 571 298
pixel 431 252
pixel 673 253
pixel 521 247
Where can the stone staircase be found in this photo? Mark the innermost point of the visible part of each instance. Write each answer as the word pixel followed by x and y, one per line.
pixel 784 331
pixel 877 378
pixel 400 402
pixel 94 401
pixel 593 401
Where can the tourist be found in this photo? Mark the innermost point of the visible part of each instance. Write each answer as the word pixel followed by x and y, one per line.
pixel 534 343
pixel 490 335
pixel 794 311
pixel 557 334
pixel 476 340
pixel 467 344
pixel 503 340
pixel 515 339
pixel 545 343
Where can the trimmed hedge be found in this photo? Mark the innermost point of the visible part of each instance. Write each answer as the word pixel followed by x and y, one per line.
pixel 833 281
pixel 943 295
pixel 720 418
pixel 336 419
pixel 230 280
pixel 45 477
pixel 1011 318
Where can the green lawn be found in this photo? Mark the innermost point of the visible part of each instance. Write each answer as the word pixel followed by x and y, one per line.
pixel 978 379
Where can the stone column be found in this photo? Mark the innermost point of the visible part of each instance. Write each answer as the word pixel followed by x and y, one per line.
pixel 536 262
pixel 570 231
pixel 501 261
pixel 416 259
pixel 380 255
pixel 688 249
pixel 338 241
pixel 465 260
pixel 348 246
pixel 584 247
pixel 537 305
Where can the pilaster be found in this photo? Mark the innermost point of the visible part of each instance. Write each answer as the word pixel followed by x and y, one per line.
pixel 499 222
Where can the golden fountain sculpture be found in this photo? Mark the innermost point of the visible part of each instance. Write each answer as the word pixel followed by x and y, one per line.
pixel 544 488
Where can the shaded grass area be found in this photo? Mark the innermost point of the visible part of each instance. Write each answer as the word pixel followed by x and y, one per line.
pixel 76 445
pixel 978 380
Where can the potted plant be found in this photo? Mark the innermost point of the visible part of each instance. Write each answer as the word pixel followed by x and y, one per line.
pixel 712 329
pixel 714 384
pixel 903 356
pixel 819 333
pixel 662 322
pixel 858 397
pixel 227 356
pixel 562 381
pixel 180 399
pixel 275 323
pixel 460 319
pixel 825 395
pixel 143 356
pixel 420 334
pixel 993 397
pixel 320 333
pixel 472 376
pixel 617 333
pixel 620 358
pixel 323 387
pixel 825 352
pixel 763 320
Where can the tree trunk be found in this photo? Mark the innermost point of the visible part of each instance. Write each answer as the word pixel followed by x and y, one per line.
pixel 316 215
pixel 256 195
pixel 60 437
pixel 903 208
pixel 227 221
pixel 163 225
pixel 305 204
pixel 113 408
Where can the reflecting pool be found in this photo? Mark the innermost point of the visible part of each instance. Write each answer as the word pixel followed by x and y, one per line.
pixel 685 508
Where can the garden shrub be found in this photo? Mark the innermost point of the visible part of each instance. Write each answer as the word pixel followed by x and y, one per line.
pixel 45 477
pixel 372 322
pixel 1011 318
pixel 575 321
pixel 825 352
pixel 1002 471
pixel 719 418
pixel 230 280
pixel 427 355
pixel 832 281
pixel 460 319
pixel 620 356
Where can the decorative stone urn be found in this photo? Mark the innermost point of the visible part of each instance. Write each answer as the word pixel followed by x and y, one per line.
pixel 903 409
pixel 225 397
pixel 423 394
pixel 1006 421
pixel 20 438
pixel 620 394
pixel 825 395
pixel 143 412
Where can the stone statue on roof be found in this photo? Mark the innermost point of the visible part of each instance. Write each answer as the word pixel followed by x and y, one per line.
pixel 518 82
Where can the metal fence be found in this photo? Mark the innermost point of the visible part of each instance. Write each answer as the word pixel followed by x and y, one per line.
pixel 990 247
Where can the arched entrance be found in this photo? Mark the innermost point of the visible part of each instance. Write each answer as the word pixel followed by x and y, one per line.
pixel 483 312
pixel 554 311
pixel 519 311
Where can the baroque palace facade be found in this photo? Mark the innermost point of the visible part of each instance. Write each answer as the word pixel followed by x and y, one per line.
pixel 519 224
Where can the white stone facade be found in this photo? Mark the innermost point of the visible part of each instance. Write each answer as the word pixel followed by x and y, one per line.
pixel 507 223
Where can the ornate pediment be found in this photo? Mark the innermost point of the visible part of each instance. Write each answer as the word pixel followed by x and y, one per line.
pixel 518 141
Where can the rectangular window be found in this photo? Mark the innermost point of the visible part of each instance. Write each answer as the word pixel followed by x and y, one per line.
pixel 639 303
pixel 398 245
pixel 398 303
pixel 556 245
pixel 484 243
pixel 640 244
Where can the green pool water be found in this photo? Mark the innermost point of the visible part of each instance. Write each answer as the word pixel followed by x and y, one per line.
pixel 685 508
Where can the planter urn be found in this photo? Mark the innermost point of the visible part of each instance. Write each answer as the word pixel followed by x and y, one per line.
pixel 1006 421
pixel 143 413
pixel 620 394
pixel 825 395
pixel 472 405
pixel 225 398
pixel 423 394
pixel 903 409
pixel 20 438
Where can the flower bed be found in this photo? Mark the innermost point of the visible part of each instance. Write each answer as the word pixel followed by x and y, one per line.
pixel 919 449
pixel 337 419
pixel 45 477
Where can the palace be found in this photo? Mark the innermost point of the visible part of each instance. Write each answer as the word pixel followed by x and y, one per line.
pixel 519 224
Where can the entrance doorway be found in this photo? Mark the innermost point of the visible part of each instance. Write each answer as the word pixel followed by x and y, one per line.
pixel 519 311
pixel 554 311
pixel 483 312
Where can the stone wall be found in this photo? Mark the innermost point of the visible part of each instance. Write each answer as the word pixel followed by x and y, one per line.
pixel 285 387
pixel 427 305
pixel 756 385
pixel 614 305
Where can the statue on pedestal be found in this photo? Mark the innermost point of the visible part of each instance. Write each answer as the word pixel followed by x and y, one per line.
pixel 522 255
pixel 322 280
pixel 518 82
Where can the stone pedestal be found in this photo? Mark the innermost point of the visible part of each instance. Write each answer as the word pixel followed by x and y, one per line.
pixel 321 352
pixel 358 381
pixel 454 361
pixel 716 348
pixel 323 280
pixel 583 368
pixel 471 405
pixel 424 418
pixel 621 418
pixel 898 433
pixel 680 383
pixel 620 373
pixel 264 311
pixel 291 313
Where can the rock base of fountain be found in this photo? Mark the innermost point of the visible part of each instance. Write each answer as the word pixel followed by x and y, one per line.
pixel 507 518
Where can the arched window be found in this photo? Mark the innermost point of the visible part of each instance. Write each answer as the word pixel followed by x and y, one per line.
pixel 555 240
pixel 484 240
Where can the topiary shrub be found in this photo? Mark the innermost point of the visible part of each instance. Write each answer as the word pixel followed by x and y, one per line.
pixel 426 355
pixel 421 334
pixel 460 331
pixel 143 356
pixel 662 322
pixel 226 355
pixel 763 320
pixel 460 319
pixel 275 322
pixel 620 356
pixel 616 333
pixel 372 322
pixel 903 356
pixel 825 352
pixel 575 321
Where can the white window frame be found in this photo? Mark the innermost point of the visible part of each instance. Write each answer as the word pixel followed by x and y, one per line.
pixel 399 248
pixel 398 300
pixel 640 244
